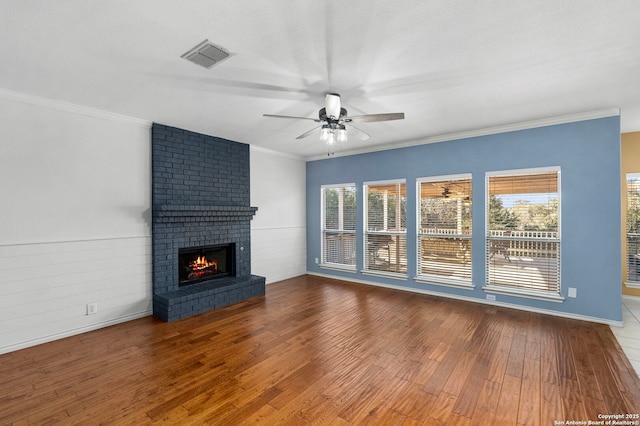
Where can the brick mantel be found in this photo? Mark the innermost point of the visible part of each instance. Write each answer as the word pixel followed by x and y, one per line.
pixel 181 213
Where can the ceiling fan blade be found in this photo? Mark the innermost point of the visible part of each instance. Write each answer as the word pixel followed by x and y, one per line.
pixel 376 117
pixel 290 116
pixel 357 133
pixel 305 134
pixel 332 105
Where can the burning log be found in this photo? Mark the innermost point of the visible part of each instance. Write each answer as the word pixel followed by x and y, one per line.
pixel 202 267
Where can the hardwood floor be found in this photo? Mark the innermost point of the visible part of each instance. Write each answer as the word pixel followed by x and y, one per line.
pixel 321 351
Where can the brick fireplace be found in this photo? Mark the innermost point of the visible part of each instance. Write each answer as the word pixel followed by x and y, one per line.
pixel 200 203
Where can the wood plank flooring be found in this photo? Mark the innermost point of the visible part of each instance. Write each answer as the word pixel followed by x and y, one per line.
pixel 321 351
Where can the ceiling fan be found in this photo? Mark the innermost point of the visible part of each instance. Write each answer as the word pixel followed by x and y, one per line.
pixel 457 192
pixel 335 121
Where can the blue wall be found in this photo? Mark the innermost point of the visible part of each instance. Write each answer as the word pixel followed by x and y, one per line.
pixel 588 153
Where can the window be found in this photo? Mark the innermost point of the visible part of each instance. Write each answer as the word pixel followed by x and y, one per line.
pixel 633 229
pixel 385 236
pixel 523 232
pixel 339 226
pixel 444 229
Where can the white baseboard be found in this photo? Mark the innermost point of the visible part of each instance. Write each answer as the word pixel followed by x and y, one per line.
pixel 482 301
pixel 75 331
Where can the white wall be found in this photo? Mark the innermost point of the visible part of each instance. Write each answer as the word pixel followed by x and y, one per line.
pixel 278 230
pixel 75 227
pixel 74 219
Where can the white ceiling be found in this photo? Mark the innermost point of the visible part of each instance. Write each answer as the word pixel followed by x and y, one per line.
pixel 450 66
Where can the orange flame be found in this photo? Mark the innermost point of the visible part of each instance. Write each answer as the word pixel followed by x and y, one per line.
pixel 201 263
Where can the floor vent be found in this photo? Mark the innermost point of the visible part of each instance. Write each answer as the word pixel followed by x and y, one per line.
pixel 206 54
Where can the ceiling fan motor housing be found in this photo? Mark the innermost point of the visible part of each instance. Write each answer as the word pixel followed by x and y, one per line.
pixel 332 105
pixel 334 120
pixel 322 114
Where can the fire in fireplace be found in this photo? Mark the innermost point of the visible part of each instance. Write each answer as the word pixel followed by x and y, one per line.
pixel 198 264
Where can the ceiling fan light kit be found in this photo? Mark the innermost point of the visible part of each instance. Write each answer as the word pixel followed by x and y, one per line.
pixel 330 135
pixel 335 120
pixel 342 134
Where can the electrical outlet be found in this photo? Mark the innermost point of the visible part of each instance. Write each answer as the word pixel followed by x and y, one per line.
pixel 491 297
pixel 317 261
pixel 573 292
pixel 92 308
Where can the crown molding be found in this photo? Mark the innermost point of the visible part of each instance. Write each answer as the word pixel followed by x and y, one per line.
pixel 512 127
pixel 64 106
pixel 276 153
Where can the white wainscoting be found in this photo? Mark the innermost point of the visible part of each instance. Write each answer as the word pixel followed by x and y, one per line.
pixel 74 219
pixel 278 253
pixel 45 288
pixel 278 230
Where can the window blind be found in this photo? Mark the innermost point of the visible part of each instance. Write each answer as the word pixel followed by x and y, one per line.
pixel 523 238
pixel 385 227
pixel 445 229
pixel 339 225
pixel 633 227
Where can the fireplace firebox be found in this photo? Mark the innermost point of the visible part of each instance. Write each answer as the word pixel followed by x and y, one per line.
pixel 197 264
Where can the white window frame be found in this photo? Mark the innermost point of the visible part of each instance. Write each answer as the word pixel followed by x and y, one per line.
pixel 390 233
pixel 351 234
pixel 630 283
pixel 554 296
pixel 467 238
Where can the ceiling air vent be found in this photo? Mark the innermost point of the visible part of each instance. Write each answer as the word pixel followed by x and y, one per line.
pixel 206 54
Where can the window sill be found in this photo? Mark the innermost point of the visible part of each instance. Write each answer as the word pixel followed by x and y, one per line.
pixel 529 294
pixel 433 280
pixel 394 275
pixel 632 284
pixel 338 267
